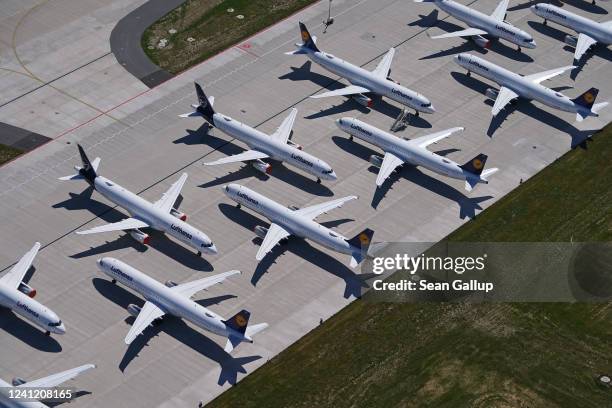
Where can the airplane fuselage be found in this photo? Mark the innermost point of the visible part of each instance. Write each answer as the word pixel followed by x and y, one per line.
pixel 521 86
pixel 30 310
pixel 166 299
pixel 378 85
pixel 599 32
pixel 276 150
pixel 403 150
pixel 496 28
pixel 287 218
pixel 158 219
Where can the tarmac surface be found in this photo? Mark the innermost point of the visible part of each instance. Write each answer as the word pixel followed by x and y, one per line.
pixel 176 364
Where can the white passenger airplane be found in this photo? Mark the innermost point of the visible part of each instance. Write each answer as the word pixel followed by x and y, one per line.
pixel 161 215
pixel 175 299
pixel 363 82
pixel 514 85
pixel 399 151
pixel 299 222
pixel 19 297
pixel 46 382
pixel 277 146
pixel 482 24
pixel 589 32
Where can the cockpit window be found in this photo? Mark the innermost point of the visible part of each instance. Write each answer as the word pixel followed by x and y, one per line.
pixel 108 183
pixel 227 188
pixel 340 121
pixel 203 245
pixel 329 56
pixel 333 234
pixel 227 119
pixel 59 323
pixel 529 40
pixel 330 171
pixel 559 95
pixel 426 105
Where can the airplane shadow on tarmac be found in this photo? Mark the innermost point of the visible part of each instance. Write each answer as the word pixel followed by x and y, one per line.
pixel 26 332
pixel 467 205
pixel 304 73
pixel 299 247
pixel 203 136
pixel 431 20
pixel 159 241
pixel 578 137
pixel 179 330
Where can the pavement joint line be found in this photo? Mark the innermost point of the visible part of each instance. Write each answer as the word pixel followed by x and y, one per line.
pixel 146 117
pixel 48 82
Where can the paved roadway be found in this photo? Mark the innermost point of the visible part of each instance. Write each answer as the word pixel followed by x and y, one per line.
pixel 177 365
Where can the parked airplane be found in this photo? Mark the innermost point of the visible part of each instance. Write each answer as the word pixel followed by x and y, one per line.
pixel 276 146
pixel 482 24
pixel 399 151
pixel 299 222
pixel 514 86
pixel 589 32
pixel 161 215
pixel 19 296
pixel 18 384
pixel 363 82
pixel 175 299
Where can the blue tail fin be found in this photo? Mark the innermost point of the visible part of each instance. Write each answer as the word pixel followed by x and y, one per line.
pixel 587 99
pixel 205 108
pixel 87 171
pixel 239 321
pixel 476 165
pixel 307 39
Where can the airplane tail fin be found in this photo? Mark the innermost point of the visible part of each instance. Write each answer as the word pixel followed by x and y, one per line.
pixel 87 171
pixel 587 99
pixel 205 106
pixel 361 243
pixel 239 321
pixel 308 41
pixel 476 165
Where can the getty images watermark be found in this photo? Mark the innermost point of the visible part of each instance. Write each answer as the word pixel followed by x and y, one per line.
pixel 489 272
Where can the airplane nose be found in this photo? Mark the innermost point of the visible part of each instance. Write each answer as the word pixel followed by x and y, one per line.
pixel 431 109
pixel 100 262
pixel 332 176
pixel 61 329
pixel 212 249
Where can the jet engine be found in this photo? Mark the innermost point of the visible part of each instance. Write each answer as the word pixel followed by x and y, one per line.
pixel 571 40
pixel 171 284
pixel 491 93
pixel 133 310
pixel 376 160
pixel 481 41
pixel 17 381
pixel 362 100
pixel 180 215
pixel 297 146
pixel 27 289
pixel 262 167
pixel 260 231
pixel 140 236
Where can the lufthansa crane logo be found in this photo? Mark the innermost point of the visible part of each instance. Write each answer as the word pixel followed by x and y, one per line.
pixel 364 239
pixel 305 36
pixel 477 163
pixel 588 97
pixel 240 320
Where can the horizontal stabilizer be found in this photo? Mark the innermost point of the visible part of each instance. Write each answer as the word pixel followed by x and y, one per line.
pixel 256 328
pixel 231 344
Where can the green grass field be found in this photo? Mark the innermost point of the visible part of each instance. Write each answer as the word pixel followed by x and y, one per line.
pixel 466 355
pixel 8 153
pixel 211 27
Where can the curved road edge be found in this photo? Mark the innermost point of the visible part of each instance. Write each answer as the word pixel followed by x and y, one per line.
pixel 125 41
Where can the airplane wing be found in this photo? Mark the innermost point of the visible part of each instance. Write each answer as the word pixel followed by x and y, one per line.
pixel 500 11
pixel 284 130
pixel 468 32
pixel 383 67
pixel 190 288
pixel 123 225
pixel 241 157
pixel 390 163
pixel 546 75
pixel 314 211
pixel 148 313
pixel 274 235
pixel 425 141
pixel 14 277
pixel 349 90
pixel 56 379
pixel 166 202
pixel 584 43
pixel 504 97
